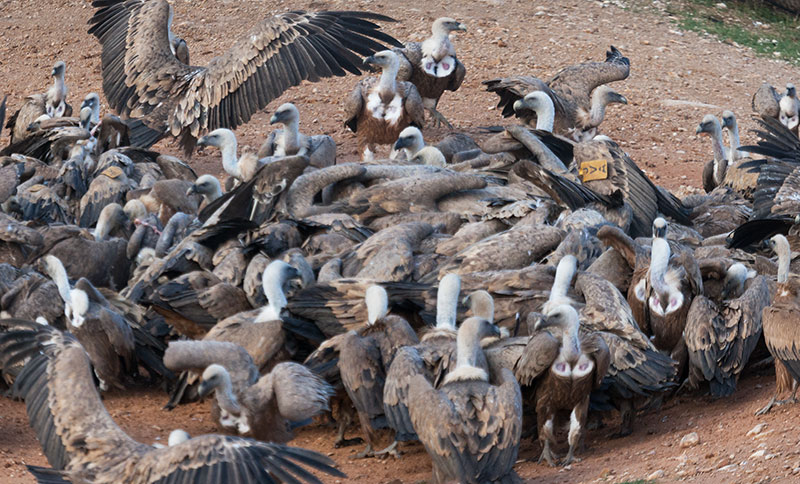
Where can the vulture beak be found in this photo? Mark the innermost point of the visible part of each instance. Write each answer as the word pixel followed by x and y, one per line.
pixel 370 60
pixel 192 190
pixel 274 119
pixel 619 98
pixel 202 143
pixel 699 129
pixel 401 143
pixel 495 331
pixel 543 322
pixel 53 73
pixel 461 27
pixel 204 389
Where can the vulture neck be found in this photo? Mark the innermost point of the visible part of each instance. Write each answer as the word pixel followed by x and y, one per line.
pixel 216 192
pixel 387 84
pixel 468 353
pixel 784 260
pixel 570 342
pixel 720 162
pixel 564 274
pixel 229 161
pixel 447 302
pixel 438 45
pixel 659 261
pixel 104 227
pixel 546 115
pixel 599 104
pixel 225 397
pixel 733 133
pixel 59 276
pixel 412 150
pixel 276 300
pixel 59 88
pixel 291 136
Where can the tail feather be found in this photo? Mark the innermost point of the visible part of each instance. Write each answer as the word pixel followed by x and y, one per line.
pixel 141 135
pixel 753 232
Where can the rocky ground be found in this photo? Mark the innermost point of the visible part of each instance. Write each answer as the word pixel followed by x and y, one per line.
pixel 676 78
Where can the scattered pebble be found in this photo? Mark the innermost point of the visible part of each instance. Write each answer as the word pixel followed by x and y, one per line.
pixel 656 475
pixel 690 440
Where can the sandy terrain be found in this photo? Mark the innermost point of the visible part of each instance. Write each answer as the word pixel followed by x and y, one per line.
pixel 505 37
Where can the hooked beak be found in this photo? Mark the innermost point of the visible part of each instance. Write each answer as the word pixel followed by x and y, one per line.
pixel 369 60
pixel 461 27
pixel 402 143
pixel 495 331
pixel 542 322
pixel 204 389
pixel 519 105
pixel 53 73
pixel 274 119
pixel 699 129
pixel 192 190
pixel 619 98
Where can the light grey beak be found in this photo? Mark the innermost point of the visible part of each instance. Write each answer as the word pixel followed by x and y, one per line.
pixel 462 27
pixel 192 190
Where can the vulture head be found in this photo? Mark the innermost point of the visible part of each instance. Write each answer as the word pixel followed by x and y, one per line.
pixel 708 126
pixel 214 376
pixel 180 49
pixel 535 101
pixel 791 91
pixel 385 59
pixel 80 306
pixel 286 114
pixel 735 277
pixel 445 25
pixel 377 304
pixel 789 108
pixel 563 317
pixel 92 101
pixel 219 138
pixel 660 227
pixel 111 217
pixel 780 245
pixel 481 304
pixel 728 120
pixel 58 69
pixel 178 436
pixel 431 156
pixel 609 96
pixel 135 209
pixel 208 186
pixel 479 328
pixel 85 117
pixel 410 140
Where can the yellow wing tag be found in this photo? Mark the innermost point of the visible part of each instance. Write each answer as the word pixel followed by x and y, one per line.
pixel 36 188
pixel 112 172
pixel 593 170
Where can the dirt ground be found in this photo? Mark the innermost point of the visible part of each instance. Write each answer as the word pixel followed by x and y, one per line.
pixel 672 73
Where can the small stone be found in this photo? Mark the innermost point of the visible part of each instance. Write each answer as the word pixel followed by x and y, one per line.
pixel 690 440
pixel 758 453
pixel 656 475
pixel 720 5
pixel 757 429
pixel 728 468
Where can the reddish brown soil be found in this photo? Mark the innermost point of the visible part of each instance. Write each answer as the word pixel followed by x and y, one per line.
pixel 505 37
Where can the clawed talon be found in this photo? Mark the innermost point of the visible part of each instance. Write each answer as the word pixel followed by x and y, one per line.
pixel 438 119
pixel 389 451
pixel 367 452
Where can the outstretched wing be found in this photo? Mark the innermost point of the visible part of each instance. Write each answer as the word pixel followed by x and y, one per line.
pixel 142 77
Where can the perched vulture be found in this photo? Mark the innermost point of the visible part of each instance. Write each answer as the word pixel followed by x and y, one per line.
pixel 780 327
pixel 66 413
pixel 432 66
pixel 378 109
pixel 320 149
pixel 278 53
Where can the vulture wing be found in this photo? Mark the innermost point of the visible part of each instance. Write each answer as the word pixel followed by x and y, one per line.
pixel 143 78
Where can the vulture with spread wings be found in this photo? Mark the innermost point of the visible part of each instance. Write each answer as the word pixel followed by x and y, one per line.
pixel 143 79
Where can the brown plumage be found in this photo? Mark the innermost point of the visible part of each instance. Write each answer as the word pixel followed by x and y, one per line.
pixel 432 66
pixel 30 111
pixel 65 411
pixel 278 53
pixel 779 321
pixel 378 109
pixel 470 428
pixel 577 110
pixel 365 356
pixel 568 367
pixel 721 334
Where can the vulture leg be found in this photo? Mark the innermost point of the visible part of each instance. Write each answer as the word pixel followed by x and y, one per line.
pixel 438 119
pixel 627 412
pixel 389 451
pixel 776 403
pixel 577 416
pixel 344 419
pixel 546 436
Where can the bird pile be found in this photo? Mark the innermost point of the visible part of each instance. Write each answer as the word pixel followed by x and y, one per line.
pixel 300 285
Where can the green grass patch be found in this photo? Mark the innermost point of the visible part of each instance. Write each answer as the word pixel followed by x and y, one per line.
pixel 750 23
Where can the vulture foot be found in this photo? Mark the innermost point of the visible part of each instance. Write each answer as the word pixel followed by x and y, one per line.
pixel 367 452
pixel 776 403
pixel 547 455
pixel 438 119
pixel 570 457
pixel 389 451
pixel 342 442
